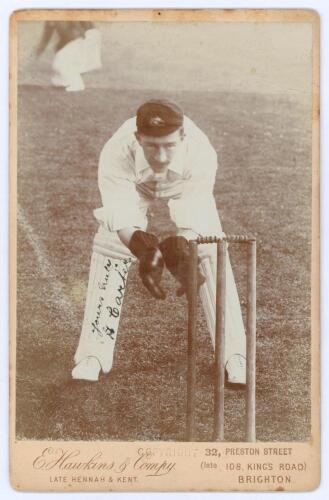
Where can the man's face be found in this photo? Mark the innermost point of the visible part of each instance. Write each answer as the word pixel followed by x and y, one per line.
pixel 160 151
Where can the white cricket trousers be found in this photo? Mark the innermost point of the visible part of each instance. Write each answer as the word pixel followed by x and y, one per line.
pixel 76 57
pixel 110 263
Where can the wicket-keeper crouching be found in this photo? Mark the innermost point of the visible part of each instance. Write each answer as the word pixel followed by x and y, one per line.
pixel 160 153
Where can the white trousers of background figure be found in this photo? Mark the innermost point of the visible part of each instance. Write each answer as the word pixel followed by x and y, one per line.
pixel 77 57
pixel 109 269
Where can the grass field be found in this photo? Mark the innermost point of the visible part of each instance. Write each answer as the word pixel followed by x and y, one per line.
pixel 263 187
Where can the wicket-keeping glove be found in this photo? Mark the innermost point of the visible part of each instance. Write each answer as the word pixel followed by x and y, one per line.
pixel 175 251
pixel 145 247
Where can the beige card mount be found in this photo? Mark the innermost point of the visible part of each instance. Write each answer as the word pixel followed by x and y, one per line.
pixel 162 409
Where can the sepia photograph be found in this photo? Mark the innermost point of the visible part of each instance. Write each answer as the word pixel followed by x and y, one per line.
pixel 164 184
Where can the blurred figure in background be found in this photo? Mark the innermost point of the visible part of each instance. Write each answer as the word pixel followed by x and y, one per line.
pixel 77 51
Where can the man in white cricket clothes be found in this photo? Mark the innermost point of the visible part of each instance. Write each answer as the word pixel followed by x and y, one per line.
pixel 160 153
pixel 77 51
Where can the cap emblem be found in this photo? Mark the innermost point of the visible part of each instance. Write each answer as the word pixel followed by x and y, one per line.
pixel 156 121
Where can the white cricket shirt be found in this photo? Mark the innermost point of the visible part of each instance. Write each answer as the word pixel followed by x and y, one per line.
pixel 128 184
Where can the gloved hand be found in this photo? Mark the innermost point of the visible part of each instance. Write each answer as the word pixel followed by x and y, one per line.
pixel 145 247
pixel 175 251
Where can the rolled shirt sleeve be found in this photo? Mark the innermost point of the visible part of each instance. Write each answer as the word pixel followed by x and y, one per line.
pixel 196 208
pixel 121 202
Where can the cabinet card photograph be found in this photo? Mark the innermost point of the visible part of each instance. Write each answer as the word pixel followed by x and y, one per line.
pixel 164 250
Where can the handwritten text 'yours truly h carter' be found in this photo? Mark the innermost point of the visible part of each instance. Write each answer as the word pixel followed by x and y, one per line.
pixel 113 310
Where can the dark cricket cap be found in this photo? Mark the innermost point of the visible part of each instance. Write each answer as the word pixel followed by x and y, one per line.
pixel 159 117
